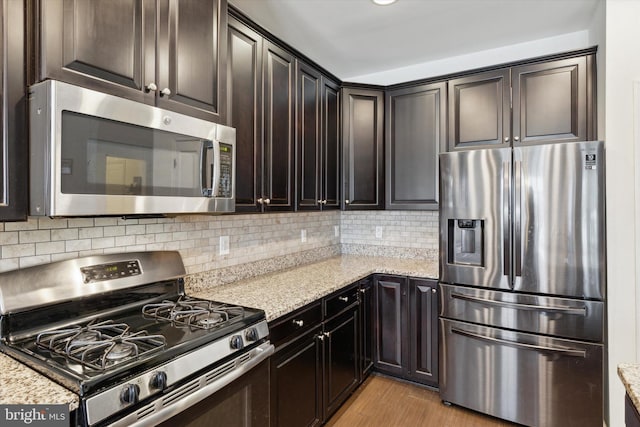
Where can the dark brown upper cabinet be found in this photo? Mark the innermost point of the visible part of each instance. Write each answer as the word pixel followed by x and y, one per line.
pixel 317 146
pixel 479 110
pixel 14 155
pixel 362 148
pixel 167 53
pixel 543 102
pixel 279 128
pixel 553 101
pixel 260 82
pixel 244 83
pixel 416 131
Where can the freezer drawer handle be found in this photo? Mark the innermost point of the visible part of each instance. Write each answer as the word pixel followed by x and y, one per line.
pixel 582 311
pixel 563 351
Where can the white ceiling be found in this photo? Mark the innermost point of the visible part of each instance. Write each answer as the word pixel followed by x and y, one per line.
pixel 353 38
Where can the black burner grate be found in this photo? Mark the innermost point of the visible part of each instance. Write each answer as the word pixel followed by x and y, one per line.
pixel 195 313
pixel 100 345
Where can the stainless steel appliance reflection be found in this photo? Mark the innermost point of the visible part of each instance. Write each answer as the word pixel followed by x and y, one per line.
pixel 522 268
pixel 119 331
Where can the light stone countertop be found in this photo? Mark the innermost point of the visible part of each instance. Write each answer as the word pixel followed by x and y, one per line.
pixel 22 385
pixel 284 291
pixel 276 293
pixel 629 373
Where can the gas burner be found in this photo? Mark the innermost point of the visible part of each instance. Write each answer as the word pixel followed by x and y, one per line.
pixel 210 319
pixel 120 351
pixel 194 313
pixel 100 345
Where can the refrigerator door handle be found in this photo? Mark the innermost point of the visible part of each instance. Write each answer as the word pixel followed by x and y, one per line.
pixel 541 348
pixel 517 218
pixel 506 196
pixel 580 311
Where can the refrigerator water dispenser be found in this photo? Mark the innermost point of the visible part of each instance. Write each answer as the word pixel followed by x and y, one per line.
pixel 465 241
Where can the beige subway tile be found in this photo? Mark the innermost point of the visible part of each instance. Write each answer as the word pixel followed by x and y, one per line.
pixel 90 233
pixel 20 250
pixel 64 234
pixel 46 248
pixel 77 245
pixel 34 260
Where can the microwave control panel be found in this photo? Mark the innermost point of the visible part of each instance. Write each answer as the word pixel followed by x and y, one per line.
pixel 226 171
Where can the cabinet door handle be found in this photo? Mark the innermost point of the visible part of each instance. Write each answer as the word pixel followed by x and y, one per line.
pixel 321 337
pixel 298 323
pixel 506 139
pixel 362 290
pixel 434 290
pixel 344 299
pixel 165 92
pixel 260 201
pixel 346 202
pixel 327 334
pixel 150 87
pixel 324 202
pixel 267 201
pixel 516 138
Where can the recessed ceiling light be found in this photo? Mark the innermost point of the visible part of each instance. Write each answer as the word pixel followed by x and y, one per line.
pixel 384 2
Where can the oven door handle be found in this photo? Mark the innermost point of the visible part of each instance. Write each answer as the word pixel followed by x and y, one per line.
pixel 194 391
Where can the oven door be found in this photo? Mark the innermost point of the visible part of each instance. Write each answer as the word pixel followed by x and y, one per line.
pixel 233 394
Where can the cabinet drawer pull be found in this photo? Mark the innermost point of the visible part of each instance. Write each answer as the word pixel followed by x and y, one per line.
pixel 298 323
pixel 344 299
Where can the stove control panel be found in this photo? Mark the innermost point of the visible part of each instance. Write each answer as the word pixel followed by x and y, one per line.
pixel 114 270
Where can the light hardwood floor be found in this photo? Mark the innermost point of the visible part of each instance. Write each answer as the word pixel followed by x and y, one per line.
pixel 385 402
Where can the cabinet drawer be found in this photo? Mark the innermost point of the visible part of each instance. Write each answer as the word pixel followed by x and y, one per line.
pixel 296 323
pixel 338 302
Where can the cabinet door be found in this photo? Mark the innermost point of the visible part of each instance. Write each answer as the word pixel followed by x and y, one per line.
pixel 104 45
pixel 279 71
pixel 416 130
pixel 366 327
pixel 423 331
pixel 192 46
pixel 479 110
pixel 331 144
pixel 362 138
pixel 342 365
pixel 309 138
pixel 14 156
pixel 296 383
pixel 391 324
pixel 244 90
pixel 551 101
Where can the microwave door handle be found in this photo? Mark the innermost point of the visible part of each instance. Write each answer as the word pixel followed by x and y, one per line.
pixel 206 168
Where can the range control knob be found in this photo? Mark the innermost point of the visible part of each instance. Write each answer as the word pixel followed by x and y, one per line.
pixel 251 334
pixel 158 380
pixel 129 394
pixel 236 342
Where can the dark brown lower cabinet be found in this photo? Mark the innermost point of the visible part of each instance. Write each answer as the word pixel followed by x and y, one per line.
pixel 406 334
pixel 391 323
pixel 423 331
pixel 341 364
pixel 366 327
pixel 631 416
pixel 296 382
pixel 317 363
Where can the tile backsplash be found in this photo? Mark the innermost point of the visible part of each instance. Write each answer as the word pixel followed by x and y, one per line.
pixel 252 238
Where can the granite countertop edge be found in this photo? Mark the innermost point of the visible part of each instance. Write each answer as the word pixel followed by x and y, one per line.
pixel 629 373
pixel 289 290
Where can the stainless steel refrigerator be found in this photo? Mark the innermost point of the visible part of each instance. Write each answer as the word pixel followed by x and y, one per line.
pixel 522 272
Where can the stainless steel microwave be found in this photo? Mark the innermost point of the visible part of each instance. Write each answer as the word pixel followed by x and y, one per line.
pixel 95 154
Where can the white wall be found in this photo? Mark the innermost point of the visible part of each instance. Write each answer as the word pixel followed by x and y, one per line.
pixel 622 62
pixel 485 58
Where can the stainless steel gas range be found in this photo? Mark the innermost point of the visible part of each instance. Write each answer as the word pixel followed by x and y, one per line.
pixel 119 331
